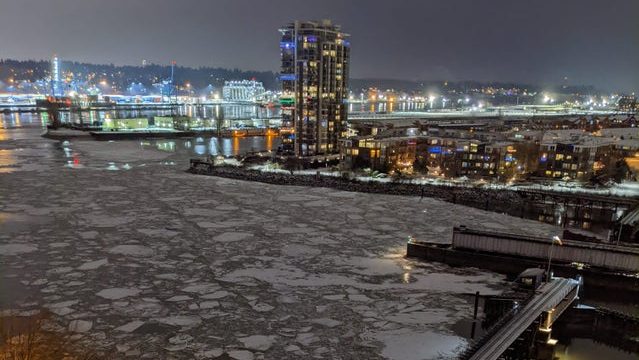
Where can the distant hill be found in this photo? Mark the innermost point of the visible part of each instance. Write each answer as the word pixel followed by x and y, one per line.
pixel 461 86
pixel 201 77
pixel 122 76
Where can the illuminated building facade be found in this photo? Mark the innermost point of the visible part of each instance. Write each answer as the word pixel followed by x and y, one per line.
pixel 569 154
pixel 56 84
pixel 243 91
pixel 314 76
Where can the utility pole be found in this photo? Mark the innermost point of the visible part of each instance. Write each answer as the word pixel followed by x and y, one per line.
pixel 557 240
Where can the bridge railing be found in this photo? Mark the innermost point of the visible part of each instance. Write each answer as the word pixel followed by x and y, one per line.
pixel 492 330
pixel 564 304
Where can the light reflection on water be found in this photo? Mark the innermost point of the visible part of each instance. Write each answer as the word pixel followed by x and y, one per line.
pixel 387 106
pixel 200 146
pixel 18 120
pixel 227 114
pixel 8 162
pixel 204 146
pixel 588 349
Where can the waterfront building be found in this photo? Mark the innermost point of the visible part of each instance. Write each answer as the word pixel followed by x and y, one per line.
pixel 435 155
pixel 502 160
pixel 627 103
pixel 314 75
pixel 476 151
pixel 573 154
pixel 625 144
pixel 381 154
pixel 243 91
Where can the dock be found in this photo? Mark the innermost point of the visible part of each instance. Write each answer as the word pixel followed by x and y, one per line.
pixel 602 266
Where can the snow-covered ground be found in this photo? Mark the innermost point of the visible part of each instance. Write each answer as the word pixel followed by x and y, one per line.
pixel 625 189
pixel 148 261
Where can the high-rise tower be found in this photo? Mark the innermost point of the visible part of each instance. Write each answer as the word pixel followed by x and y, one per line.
pixel 314 75
pixel 56 84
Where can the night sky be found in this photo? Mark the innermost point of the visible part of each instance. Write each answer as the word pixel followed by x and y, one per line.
pixel 593 42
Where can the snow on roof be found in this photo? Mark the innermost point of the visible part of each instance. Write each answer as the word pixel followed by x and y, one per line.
pixel 561 136
pixel 574 137
pixel 628 144
pixel 532 272
pixel 627 133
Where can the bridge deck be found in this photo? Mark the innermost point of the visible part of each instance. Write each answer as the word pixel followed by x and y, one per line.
pixel 548 296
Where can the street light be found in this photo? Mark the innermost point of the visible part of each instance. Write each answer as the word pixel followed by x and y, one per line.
pixel 555 240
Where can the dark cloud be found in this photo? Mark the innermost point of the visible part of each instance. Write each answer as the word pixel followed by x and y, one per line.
pixel 542 41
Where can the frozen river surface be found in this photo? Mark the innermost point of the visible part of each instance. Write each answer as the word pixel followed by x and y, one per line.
pixel 150 262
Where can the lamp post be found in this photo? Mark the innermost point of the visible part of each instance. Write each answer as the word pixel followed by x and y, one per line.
pixel 555 240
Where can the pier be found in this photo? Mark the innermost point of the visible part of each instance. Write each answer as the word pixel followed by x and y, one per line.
pixel 598 255
pixel 602 266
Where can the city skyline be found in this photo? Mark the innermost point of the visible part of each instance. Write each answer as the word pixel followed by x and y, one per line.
pixel 252 179
pixel 571 43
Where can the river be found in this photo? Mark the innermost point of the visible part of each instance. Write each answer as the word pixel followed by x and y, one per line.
pixel 15 127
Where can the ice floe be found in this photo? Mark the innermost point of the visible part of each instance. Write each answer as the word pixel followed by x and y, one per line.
pixel 16 249
pixel 117 293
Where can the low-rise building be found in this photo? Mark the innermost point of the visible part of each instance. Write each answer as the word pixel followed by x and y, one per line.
pixel 573 154
pixel 381 154
pixel 501 156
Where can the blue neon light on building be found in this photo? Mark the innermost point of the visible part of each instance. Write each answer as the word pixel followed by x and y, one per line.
pixel 284 77
pixel 435 149
pixel 287 45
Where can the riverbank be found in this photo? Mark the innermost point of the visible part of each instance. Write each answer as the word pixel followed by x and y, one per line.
pixel 574 209
pixel 501 201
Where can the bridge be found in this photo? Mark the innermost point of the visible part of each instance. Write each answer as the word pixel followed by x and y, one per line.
pixel 444 114
pixel 540 311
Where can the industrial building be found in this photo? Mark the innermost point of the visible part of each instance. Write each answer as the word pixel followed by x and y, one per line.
pixel 243 91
